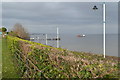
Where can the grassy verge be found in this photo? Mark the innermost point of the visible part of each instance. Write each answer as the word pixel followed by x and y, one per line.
pixel 8 69
pixel 0 57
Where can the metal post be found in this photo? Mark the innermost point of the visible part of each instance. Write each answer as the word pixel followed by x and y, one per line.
pixel 46 39
pixel 38 39
pixel 104 27
pixel 57 37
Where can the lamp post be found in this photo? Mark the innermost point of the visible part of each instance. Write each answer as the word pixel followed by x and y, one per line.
pixel 46 39
pixel 57 37
pixel 104 26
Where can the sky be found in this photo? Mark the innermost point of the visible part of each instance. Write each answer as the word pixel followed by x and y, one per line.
pixel 70 17
pixel 59 0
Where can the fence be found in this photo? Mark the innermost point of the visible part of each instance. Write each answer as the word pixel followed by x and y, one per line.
pixel 37 62
pixel 30 69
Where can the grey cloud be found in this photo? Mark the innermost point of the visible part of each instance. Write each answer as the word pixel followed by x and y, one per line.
pixel 69 14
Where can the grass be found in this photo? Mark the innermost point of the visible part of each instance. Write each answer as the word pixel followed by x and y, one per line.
pixel 0 57
pixel 61 63
pixel 8 66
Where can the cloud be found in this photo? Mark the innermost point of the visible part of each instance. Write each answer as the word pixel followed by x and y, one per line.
pixel 64 14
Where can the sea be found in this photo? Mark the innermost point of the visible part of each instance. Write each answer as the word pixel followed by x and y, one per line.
pixel 91 43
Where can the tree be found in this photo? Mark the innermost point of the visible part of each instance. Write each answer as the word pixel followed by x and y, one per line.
pixel 20 31
pixel 4 29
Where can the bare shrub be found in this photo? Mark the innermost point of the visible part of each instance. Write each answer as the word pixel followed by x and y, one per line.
pixel 20 31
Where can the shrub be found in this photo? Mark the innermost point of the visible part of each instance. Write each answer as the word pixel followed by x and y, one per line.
pixel 20 31
pixel 4 29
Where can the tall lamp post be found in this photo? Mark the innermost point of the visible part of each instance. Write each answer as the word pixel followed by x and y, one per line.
pixel 46 39
pixel 104 26
pixel 57 37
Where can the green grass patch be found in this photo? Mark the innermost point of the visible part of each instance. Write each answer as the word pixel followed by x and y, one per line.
pixel 0 57
pixel 8 66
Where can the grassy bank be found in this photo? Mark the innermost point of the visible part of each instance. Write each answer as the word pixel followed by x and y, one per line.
pixel 35 60
pixel 8 67
pixel 0 57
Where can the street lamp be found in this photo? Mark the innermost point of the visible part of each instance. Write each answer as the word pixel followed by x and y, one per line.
pixel 57 37
pixel 104 25
pixel 95 8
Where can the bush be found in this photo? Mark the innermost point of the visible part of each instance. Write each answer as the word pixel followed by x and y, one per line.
pixel 4 29
pixel 12 34
pixel 20 31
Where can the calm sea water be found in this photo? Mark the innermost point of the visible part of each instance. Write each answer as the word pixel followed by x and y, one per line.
pixel 92 43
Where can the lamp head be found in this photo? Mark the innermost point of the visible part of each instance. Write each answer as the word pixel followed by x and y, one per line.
pixel 95 8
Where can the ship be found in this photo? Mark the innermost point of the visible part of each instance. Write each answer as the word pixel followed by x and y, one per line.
pixel 83 35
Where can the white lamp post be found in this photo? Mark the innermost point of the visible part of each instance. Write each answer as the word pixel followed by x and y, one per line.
pixel 46 39
pixel 104 26
pixel 57 37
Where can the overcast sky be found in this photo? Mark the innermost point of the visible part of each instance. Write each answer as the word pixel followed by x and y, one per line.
pixel 70 17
